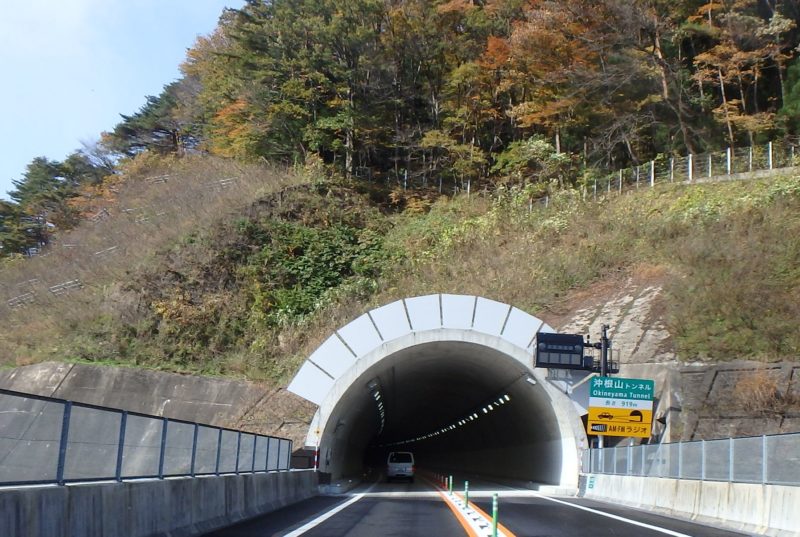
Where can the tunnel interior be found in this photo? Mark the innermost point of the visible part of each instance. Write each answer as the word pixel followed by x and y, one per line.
pixel 458 406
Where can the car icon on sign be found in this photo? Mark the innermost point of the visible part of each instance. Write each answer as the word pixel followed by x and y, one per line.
pixel 605 416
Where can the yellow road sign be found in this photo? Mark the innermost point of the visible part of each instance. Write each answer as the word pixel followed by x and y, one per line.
pixel 620 415
pixel 619 422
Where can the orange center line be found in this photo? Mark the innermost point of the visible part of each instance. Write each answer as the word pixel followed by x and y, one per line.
pixel 461 518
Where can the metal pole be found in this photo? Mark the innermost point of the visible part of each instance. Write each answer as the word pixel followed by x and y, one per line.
pixel 266 462
pixel 690 168
pixel 730 459
pixel 728 158
pixel 750 159
pixel 603 369
pixel 164 425
pixel 62 447
pixel 703 460
pixel 769 145
pixel 709 164
pixel 239 449
pixel 219 449
pixel 253 467
pixel 494 515
pixel 671 169
pixel 122 424
pixel 620 181
pixel 194 448
pixel 451 485
pixel 652 173
pixel 763 459
pixel 466 494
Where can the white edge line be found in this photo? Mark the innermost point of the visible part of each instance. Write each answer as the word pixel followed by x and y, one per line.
pixel 615 517
pixel 322 518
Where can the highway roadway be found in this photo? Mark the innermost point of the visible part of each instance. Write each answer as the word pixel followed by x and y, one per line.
pixel 409 509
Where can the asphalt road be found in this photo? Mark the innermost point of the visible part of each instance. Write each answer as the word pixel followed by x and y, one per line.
pixel 407 510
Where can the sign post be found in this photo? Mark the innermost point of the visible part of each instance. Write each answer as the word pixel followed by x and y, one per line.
pixel 620 407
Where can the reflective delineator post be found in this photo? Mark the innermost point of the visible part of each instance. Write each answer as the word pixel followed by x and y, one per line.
pixel 466 494
pixel 450 487
pixel 494 515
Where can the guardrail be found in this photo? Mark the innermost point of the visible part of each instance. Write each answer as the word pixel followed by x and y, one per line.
pixel 47 440
pixel 769 459
pixel 715 165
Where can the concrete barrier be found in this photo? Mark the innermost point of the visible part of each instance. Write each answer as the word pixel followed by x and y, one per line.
pixel 178 507
pixel 754 508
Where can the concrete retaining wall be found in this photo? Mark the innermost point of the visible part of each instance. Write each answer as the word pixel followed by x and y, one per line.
pixel 172 507
pixel 762 509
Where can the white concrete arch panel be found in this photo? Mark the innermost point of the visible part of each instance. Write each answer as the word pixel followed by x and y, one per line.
pixel 376 328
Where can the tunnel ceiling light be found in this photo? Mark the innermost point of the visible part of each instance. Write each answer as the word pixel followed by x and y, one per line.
pixel 501 400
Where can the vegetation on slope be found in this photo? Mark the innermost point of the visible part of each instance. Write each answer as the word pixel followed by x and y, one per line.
pixel 256 291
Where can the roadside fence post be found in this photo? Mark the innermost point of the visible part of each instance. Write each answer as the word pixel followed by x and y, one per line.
pixel 62 447
pixel 164 425
pixel 671 169
pixel 750 159
pixel 219 449
pixel 494 515
pixel 451 485
pixel 238 449
pixel 769 154
pixel 652 173
pixel 728 155
pixel 123 420
pixel 709 164
pixel 466 494
pixel 253 467
pixel 620 182
pixel 730 459
pixel 690 168
pixel 194 448
pixel 703 460
pixel 763 459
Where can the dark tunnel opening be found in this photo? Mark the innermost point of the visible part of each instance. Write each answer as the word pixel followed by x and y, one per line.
pixel 457 406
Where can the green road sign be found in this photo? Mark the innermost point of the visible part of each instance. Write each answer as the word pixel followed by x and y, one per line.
pixel 622 388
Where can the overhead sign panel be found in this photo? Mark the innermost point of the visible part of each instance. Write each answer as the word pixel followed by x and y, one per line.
pixel 620 407
pixel 559 351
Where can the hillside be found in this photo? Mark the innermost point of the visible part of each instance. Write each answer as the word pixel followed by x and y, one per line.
pixel 254 288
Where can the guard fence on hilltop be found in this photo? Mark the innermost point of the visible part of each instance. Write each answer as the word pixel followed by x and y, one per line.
pixel 730 163
pixel 47 440
pixel 770 459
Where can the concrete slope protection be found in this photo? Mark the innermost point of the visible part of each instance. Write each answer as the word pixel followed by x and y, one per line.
pixel 449 377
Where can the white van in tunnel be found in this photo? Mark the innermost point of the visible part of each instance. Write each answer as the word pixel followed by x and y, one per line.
pixel 400 464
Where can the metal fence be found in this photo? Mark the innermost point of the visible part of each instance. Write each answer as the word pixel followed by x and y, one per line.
pixel 47 440
pixel 772 459
pixel 698 168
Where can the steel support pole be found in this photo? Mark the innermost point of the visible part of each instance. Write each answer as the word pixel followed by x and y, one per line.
pixel 123 421
pixel 62 447
pixel 162 454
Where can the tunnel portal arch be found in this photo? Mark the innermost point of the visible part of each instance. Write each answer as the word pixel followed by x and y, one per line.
pixel 448 376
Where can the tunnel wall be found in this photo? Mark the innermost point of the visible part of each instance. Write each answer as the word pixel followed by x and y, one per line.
pixel 174 507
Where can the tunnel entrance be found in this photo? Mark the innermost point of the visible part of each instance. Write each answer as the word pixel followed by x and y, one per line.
pixel 448 377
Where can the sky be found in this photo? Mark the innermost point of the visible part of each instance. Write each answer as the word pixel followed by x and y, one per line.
pixel 71 67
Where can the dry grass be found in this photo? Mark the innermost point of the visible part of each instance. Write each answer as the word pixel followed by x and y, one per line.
pixel 760 391
pixel 158 203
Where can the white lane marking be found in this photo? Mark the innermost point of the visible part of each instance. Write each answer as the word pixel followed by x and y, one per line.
pixel 322 518
pixel 616 517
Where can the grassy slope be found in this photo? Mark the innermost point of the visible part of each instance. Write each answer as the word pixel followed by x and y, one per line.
pixel 255 292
